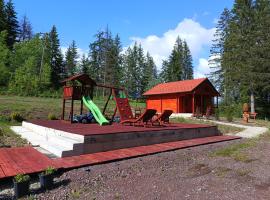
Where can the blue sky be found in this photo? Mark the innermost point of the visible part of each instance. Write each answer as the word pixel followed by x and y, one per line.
pixel 153 23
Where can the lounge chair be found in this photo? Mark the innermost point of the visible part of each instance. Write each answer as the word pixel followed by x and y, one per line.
pixel 141 120
pixel 163 118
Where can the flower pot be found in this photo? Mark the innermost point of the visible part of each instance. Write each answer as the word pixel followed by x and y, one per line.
pixel 21 189
pixel 46 181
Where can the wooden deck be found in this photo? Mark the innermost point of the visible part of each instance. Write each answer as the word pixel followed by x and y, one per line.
pixel 96 129
pixel 27 160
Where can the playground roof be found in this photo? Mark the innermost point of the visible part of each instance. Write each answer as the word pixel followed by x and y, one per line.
pixel 184 86
pixel 82 78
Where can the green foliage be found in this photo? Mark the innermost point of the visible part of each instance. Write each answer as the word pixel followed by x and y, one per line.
pixel 5 118
pixel 49 170
pixel 216 114
pixel 11 24
pixel 140 71
pixel 239 54
pixel 105 59
pixel 21 178
pixel 16 117
pixel 229 114
pixel 236 151
pixel 179 65
pixel 71 59
pixel 55 58
pixel 4 60
pixel 52 116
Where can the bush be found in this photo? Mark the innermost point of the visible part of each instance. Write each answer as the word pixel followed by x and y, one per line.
pixel 16 117
pixel 216 114
pixel 5 118
pixel 49 170
pixel 52 116
pixel 229 114
pixel 21 178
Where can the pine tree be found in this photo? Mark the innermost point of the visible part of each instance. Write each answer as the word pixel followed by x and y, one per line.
pixel 149 73
pixel 11 24
pixel 25 29
pixel 105 58
pixel 55 58
pixel 2 16
pixel 187 62
pixel 217 51
pixel 131 72
pixel 84 64
pixel 236 57
pixel 71 59
pixel 4 60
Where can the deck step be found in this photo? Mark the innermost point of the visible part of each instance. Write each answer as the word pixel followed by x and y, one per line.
pixel 57 145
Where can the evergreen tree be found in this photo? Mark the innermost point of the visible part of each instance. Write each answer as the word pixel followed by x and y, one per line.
pixel 105 58
pixel 131 71
pixel 187 62
pixel 179 64
pixel 217 51
pixel 55 58
pixel 4 60
pixel 11 24
pixel 71 59
pixel 2 16
pixel 84 64
pixel 149 73
pixel 25 29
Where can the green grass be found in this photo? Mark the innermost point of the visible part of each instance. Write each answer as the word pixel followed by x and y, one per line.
pixel 39 107
pixel 8 137
pixel 236 151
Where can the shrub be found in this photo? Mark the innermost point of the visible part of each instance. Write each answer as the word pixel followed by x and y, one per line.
pixel 1 132
pixel 229 114
pixel 5 118
pixel 16 117
pixel 216 114
pixel 21 178
pixel 52 116
pixel 49 170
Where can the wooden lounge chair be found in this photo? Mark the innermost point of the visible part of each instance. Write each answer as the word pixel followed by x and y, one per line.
pixel 163 118
pixel 143 119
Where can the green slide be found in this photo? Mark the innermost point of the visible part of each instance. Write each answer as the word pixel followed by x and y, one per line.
pixel 95 111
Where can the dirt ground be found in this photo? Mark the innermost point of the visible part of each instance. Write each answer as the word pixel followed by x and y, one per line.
pixel 192 173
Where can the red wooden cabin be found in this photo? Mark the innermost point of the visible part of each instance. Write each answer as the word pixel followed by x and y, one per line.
pixel 188 96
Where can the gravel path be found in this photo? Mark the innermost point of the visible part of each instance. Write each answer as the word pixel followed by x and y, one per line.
pixel 249 132
pixel 190 173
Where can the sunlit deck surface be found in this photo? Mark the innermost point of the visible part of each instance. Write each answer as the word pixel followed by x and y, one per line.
pixel 96 129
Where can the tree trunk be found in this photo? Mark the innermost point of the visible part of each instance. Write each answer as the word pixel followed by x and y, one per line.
pixel 252 103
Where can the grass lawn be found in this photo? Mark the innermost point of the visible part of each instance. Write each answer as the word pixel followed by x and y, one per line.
pixel 39 108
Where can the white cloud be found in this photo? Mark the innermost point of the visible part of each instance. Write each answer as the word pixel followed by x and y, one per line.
pixel 197 37
pixel 202 69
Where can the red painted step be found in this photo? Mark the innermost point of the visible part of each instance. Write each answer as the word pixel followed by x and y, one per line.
pixel 27 160
pixel 101 157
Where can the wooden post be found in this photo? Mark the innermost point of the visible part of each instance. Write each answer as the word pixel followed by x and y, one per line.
pixel 201 109
pixel 71 111
pixel 63 109
pixel 104 109
pixel 81 107
pixel 217 101
pixel 193 103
